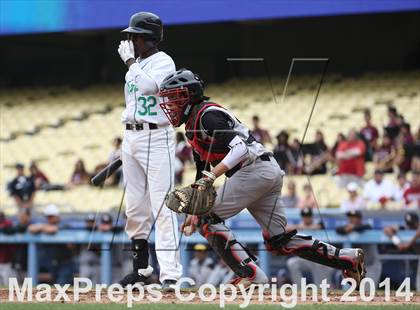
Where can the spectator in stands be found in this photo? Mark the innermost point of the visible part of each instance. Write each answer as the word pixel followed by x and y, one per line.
pixel 369 134
pixel 6 253
pixel 412 193
pixel 298 266
pixel 201 266
pixel 307 222
pixel 355 201
pixel 116 152
pixel 404 145
pixel 90 222
pixel 355 224
pixel 57 259
pixel 415 162
pixel 24 218
pixel 52 215
pixel 378 190
pixel 308 200
pixel 38 177
pixel 107 225
pixel 116 177
pixel 183 155
pixel 401 186
pixel 41 180
pixel 295 158
pixel 320 156
pixel 281 149
pixel 351 160
pixel 20 254
pixel 290 200
pixel 411 220
pixel 220 274
pixel 393 127
pixel 89 256
pixel 384 155
pixel 340 137
pixel 261 135
pixel 80 175
pixel 22 188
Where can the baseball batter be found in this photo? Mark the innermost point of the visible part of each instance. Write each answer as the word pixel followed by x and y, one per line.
pixel 148 152
pixel 223 145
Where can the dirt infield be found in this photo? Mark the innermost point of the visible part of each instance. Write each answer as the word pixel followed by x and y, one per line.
pixel 170 298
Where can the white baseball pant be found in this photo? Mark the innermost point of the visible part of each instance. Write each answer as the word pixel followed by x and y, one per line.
pixel 148 157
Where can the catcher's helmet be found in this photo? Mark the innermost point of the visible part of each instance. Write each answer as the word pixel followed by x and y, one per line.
pixel 147 24
pixel 180 91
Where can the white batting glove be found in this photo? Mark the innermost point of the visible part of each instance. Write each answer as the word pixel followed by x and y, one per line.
pixel 126 50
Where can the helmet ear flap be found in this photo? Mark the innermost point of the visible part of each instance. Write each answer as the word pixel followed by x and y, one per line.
pixel 197 77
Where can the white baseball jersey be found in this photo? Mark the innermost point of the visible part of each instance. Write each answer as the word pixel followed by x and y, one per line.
pixel 143 105
pixel 148 158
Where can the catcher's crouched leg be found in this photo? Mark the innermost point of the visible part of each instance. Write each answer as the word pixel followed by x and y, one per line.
pixel 350 260
pixel 234 254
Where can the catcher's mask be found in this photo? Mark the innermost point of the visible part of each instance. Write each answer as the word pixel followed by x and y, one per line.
pixel 174 102
pixel 179 91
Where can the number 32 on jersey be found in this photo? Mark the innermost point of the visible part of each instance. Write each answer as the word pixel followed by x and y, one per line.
pixel 146 105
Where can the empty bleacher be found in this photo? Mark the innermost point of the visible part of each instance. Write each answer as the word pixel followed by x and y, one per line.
pixel 57 126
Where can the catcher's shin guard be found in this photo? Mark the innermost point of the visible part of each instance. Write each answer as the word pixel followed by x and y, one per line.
pixel 234 254
pixel 311 249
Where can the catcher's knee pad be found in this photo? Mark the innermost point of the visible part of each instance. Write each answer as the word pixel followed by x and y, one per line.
pixel 276 244
pixel 234 254
pixel 308 248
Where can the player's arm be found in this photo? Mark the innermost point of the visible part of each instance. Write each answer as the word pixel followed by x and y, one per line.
pixel 217 124
pixel 416 236
pixel 391 232
pixel 147 83
pixel 411 243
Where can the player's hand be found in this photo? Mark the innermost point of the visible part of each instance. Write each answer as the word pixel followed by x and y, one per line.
pixel 205 182
pixel 190 225
pixel 126 50
pixel 403 246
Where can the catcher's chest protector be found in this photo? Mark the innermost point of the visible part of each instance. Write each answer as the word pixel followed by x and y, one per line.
pixel 209 149
pixel 205 146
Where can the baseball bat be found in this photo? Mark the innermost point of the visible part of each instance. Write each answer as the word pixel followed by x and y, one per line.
pixel 102 175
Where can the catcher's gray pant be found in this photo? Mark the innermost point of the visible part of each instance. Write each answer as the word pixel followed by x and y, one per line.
pixel 257 188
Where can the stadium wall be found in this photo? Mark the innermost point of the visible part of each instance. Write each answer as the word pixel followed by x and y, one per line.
pixel 354 44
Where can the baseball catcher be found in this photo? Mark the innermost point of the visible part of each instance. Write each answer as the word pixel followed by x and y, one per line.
pixel 223 145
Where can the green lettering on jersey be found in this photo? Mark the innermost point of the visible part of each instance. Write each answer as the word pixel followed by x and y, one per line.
pixel 146 105
pixel 132 87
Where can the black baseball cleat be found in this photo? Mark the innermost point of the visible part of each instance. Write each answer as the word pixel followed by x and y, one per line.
pixel 142 276
pixel 169 285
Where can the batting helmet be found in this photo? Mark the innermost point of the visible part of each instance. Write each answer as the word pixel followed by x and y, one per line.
pixel 180 91
pixel 147 24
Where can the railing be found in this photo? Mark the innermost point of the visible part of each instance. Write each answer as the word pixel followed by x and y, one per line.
pixel 246 236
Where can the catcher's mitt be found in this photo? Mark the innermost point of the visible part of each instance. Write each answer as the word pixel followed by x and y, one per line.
pixel 191 200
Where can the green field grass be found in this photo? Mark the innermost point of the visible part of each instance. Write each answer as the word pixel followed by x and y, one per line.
pixel 52 306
